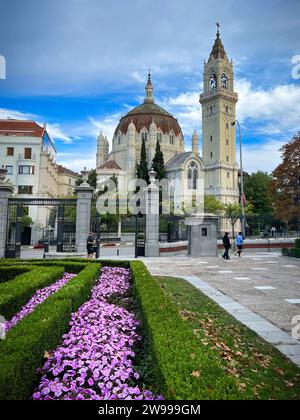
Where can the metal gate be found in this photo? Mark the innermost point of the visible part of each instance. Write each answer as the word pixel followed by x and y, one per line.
pixel 140 235
pixel 59 225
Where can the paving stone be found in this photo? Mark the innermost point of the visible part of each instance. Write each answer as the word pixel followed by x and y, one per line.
pixel 225 272
pixel 289 349
pixel 293 301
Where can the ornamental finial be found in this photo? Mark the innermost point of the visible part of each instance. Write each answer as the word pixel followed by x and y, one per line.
pixel 218 30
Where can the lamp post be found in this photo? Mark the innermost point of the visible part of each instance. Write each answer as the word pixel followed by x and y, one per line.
pixel 242 178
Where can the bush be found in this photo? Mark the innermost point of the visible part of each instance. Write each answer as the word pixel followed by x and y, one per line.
pixel 15 293
pixel 78 290
pixel 70 266
pixel 294 252
pixel 24 348
pixel 10 272
pixel 175 348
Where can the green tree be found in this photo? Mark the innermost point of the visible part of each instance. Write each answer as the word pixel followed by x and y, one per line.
pixel 142 167
pixel 286 182
pixel 232 212
pixel 158 163
pixel 212 205
pixel 257 188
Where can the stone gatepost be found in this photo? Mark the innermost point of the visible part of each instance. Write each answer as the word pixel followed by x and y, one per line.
pixel 202 235
pixel 6 191
pixel 83 212
pixel 152 218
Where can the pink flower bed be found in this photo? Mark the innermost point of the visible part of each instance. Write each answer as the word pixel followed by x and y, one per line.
pixel 37 299
pixel 95 359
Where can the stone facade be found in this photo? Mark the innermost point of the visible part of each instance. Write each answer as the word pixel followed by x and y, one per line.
pixel 28 153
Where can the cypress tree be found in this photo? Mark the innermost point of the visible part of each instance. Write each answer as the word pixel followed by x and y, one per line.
pixel 158 163
pixel 142 167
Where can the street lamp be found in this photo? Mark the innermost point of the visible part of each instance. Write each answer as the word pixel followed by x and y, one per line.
pixel 242 178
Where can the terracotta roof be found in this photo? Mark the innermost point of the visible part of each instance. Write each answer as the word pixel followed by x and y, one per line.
pixel 62 170
pixel 11 127
pixel 143 115
pixel 110 164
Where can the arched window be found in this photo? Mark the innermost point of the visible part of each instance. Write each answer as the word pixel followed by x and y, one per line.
pixel 193 175
pixel 159 136
pixel 213 82
pixel 224 81
pixel 144 137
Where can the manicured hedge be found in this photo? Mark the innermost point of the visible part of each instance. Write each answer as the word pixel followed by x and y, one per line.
pixel 22 352
pixel 78 290
pixel 294 252
pixel 9 272
pixel 177 354
pixel 15 293
pixel 70 266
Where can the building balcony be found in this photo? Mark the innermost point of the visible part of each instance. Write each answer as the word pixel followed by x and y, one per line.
pixel 23 156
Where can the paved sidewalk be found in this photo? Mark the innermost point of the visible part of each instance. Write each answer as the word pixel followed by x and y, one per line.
pixel 266 287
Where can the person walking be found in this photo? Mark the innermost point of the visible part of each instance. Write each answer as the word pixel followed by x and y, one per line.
pixel 239 240
pixel 227 246
pixel 90 245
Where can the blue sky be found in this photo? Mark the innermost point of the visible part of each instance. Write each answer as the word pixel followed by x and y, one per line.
pixel 80 64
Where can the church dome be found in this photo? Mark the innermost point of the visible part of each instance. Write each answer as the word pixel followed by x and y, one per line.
pixel 149 112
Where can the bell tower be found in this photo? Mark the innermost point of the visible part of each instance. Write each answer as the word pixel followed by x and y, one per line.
pixel 218 102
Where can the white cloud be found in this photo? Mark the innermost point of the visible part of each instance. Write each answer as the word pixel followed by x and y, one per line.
pixel 77 161
pixel 16 115
pixel 107 125
pixel 57 133
pixel 278 109
pixel 263 157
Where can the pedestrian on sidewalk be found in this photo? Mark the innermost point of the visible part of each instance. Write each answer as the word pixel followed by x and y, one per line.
pixel 239 240
pixel 90 245
pixel 227 246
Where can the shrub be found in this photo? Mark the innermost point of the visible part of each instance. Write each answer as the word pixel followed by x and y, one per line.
pixel 23 350
pixel 25 345
pixel 297 243
pixel 15 293
pixel 176 350
pixel 10 272
pixel 78 290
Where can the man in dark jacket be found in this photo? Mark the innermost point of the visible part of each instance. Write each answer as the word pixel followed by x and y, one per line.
pixel 90 244
pixel 227 246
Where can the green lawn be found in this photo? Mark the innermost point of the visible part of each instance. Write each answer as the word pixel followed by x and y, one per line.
pixel 260 371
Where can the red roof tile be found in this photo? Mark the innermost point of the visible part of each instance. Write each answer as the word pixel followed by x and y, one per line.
pixel 20 128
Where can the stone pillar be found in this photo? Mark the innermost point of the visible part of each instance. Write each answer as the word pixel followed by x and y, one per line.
pixel 152 218
pixel 6 191
pixel 83 214
pixel 202 235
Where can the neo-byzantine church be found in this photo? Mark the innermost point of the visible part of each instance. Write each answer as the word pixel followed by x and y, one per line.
pixel 148 121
